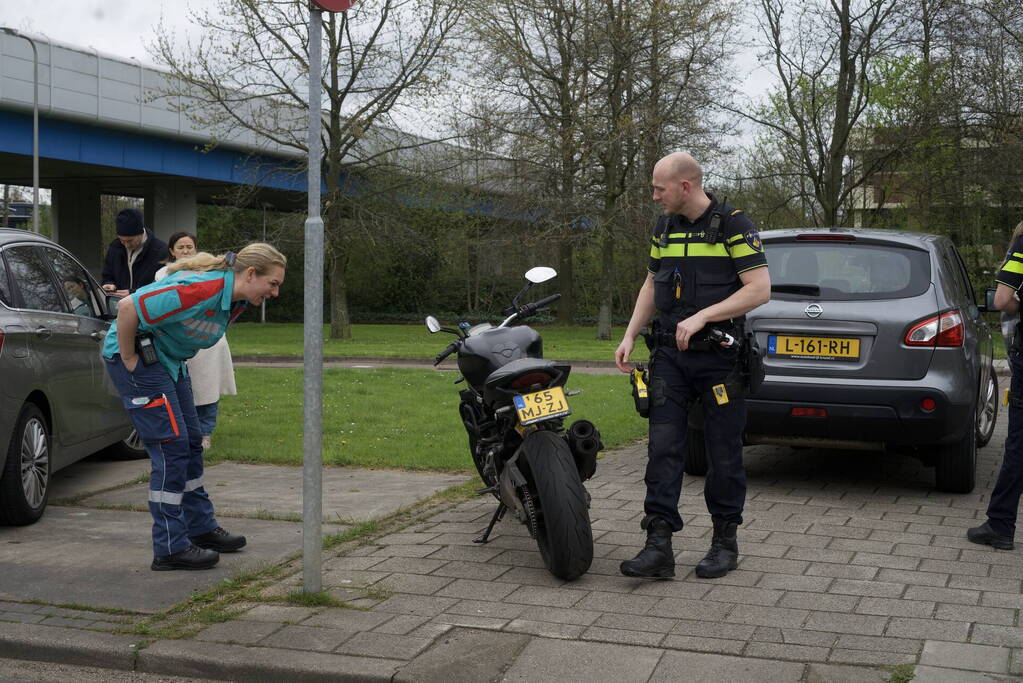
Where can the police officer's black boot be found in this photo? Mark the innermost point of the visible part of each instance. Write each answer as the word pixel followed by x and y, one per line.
pixel 724 552
pixel 656 560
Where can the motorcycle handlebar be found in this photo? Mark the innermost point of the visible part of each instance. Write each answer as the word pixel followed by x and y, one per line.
pixel 452 347
pixel 542 303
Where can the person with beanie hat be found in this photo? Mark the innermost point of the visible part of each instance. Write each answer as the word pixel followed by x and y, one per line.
pixel 134 257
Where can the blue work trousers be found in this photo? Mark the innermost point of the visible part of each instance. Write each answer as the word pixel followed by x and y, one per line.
pixel 163 413
pixel 1004 504
pixel 207 417
pixel 676 379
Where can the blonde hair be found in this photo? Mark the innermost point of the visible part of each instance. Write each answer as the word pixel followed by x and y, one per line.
pixel 258 255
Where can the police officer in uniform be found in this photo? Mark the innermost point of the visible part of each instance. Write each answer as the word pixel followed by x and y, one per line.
pixel 706 272
pixel 999 530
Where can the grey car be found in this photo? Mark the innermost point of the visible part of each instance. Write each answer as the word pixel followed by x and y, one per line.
pixel 874 339
pixel 57 404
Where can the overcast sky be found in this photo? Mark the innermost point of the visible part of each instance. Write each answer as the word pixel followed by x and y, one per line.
pixel 117 27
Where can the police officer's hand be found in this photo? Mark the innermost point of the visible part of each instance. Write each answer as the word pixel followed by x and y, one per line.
pixel 686 329
pixel 622 354
pixel 130 363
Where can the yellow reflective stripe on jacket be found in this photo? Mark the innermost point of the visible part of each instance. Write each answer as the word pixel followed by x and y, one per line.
pixel 741 249
pixel 1013 266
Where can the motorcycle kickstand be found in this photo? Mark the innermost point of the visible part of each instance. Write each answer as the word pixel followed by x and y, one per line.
pixel 498 514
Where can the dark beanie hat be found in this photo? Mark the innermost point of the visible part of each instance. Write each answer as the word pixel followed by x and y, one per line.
pixel 129 222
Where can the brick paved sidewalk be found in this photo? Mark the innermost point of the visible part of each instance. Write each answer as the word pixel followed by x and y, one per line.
pixel 846 559
pixel 850 564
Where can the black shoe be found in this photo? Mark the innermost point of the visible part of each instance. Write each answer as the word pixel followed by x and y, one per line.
pixel 723 555
pixel 191 557
pixel 985 535
pixel 656 560
pixel 220 540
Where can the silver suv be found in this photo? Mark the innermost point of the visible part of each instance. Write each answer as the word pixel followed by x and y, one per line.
pixel 57 404
pixel 874 339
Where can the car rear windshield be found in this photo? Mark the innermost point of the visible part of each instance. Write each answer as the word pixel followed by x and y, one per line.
pixel 847 271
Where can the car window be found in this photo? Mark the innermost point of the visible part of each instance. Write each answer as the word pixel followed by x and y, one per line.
pixel 33 280
pixel 5 286
pixel 848 271
pixel 964 276
pixel 73 278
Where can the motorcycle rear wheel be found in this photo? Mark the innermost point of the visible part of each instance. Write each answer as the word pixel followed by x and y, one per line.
pixel 563 534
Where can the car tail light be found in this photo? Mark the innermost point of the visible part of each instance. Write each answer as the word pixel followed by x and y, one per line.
pixel 825 237
pixel 530 379
pixel 941 330
pixel 809 412
pixel 927 404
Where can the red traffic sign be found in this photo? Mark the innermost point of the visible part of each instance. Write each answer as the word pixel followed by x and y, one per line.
pixel 334 5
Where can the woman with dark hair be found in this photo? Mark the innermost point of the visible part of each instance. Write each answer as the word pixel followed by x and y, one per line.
pixel 212 369
pixel 159 327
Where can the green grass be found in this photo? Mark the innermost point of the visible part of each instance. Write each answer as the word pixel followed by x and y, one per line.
pixel 560 342
pixel 390 418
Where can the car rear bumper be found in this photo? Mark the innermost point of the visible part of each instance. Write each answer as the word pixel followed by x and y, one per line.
pixel 887 415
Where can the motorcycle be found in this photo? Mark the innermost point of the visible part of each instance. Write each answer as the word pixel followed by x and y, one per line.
pixel 514 408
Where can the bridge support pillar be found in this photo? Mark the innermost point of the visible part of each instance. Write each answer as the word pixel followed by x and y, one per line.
pixel 170 207
pixel 76 222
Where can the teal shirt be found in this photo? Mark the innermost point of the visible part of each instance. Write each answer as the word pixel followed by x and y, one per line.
pixel 185 312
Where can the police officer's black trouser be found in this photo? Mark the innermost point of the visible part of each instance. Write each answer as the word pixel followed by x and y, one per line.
pixel 1004 504
pixel 677 378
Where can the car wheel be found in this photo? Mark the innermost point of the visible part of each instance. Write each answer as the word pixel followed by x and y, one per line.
pixel 128 448
pixel 955 467
pixel 988 413
pixel 25 482
pixel 696 453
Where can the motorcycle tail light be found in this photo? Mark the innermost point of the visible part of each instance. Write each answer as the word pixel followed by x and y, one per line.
pixel 941 330
pixel 529 380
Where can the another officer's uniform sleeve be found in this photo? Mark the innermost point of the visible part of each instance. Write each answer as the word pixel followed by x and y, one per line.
pixel 655 245
pixel 1011 272
pixel 743 242
pixel 159 305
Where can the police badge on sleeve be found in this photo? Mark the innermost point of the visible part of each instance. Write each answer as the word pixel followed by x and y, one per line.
pixel 752 239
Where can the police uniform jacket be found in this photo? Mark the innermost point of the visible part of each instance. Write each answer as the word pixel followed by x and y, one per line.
pixel 1011 272
pixel 691 272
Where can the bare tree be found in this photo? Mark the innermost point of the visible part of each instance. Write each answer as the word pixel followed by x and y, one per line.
pixel 248 73
pixel 828 57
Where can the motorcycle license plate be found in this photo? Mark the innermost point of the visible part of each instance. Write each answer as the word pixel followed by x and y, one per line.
pixel 541 405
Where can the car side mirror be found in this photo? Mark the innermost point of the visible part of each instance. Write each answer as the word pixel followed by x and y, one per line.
pixel 989 301
pixel 111 307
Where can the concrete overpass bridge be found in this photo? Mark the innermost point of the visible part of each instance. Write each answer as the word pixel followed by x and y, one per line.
pixel 105 128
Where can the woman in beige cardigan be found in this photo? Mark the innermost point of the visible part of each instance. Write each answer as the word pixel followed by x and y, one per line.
pixel 212 369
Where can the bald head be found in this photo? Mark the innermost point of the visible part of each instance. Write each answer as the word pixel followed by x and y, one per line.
pixel 681 166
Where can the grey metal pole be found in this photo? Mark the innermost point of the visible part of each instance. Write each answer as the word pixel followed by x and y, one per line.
pixel 312 462
pixel 35 130
pixel 35 123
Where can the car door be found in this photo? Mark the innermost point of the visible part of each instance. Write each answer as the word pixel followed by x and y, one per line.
pixel 61 357
pixel 85 301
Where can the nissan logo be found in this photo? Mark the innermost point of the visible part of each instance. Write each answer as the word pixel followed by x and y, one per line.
pixel 813 311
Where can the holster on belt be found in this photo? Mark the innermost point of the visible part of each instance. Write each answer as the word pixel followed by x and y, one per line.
pixel 639 378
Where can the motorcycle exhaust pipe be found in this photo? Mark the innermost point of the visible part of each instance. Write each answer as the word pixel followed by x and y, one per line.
pixel 584 442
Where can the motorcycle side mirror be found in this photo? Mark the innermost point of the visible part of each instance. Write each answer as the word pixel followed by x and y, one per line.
pixel 540 274
pixel 432 324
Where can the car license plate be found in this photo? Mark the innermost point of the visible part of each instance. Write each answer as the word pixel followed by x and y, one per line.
pixel 814 348
pixel 541 405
